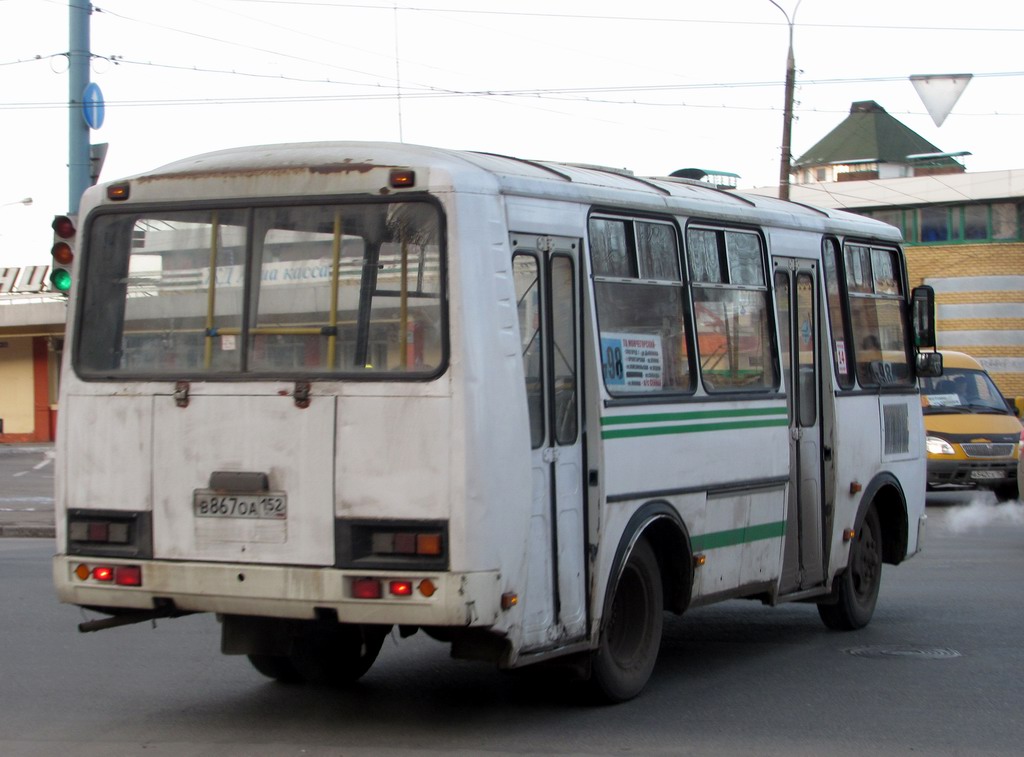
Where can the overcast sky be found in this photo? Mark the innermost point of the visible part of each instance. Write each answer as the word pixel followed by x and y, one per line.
pixel 649 85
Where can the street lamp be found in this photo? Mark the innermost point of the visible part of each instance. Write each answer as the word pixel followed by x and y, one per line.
pixel 23 201
pixel 787 116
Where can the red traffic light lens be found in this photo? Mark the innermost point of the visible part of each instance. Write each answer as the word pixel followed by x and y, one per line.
pixel 63 227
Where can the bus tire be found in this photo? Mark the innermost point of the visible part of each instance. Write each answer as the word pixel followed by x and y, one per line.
pixel 853 598
pixel 339 655
pixel 631 635
pixel 279 667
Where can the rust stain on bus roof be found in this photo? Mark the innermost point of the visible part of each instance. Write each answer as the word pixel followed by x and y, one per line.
pixel 204 172
pixel 346 166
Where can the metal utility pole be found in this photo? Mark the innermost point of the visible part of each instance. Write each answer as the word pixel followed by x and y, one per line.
pixel 787 116
pixel 79 54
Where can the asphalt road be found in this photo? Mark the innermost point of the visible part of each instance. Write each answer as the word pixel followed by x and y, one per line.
pixel 26 490
pixel 938 672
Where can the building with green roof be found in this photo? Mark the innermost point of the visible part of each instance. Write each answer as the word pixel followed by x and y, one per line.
pixel 871 144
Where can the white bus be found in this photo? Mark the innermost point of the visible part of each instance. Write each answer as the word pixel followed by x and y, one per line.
pixel 328 391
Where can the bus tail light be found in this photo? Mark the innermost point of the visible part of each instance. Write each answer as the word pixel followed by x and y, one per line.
pixel 373 588
pixel 128 575
pixel 119 575
pixel 109 533
pixel 367 588
pixel 400 588
pixel 406 545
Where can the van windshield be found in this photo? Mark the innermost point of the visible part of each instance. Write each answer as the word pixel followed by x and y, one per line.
pixel 962 390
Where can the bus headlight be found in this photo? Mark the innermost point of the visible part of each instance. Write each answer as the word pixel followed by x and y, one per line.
pixel 937 446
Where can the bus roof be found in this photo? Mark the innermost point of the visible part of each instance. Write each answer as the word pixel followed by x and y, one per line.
pixel 479 171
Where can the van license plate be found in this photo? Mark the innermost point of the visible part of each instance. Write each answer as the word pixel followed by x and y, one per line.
pixel 262 506
pixel 987 474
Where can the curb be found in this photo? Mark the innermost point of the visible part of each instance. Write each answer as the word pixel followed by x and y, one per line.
pixel 28 532
pixel 14 449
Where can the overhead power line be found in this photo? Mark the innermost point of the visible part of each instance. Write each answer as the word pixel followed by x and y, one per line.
pixel 390 7
pixel 386 91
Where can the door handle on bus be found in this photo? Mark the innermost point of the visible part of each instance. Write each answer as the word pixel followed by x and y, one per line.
pixel 181 389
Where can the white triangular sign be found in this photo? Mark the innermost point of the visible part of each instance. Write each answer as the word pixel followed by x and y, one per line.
pixel 939 92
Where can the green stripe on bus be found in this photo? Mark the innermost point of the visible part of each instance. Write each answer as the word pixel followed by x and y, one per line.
pixel 691 428
pixel 618 420
pixel 739 536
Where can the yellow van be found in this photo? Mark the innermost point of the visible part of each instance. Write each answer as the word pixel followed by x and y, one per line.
pixel 973 437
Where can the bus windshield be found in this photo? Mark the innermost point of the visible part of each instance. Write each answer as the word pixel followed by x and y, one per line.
pixel 346 289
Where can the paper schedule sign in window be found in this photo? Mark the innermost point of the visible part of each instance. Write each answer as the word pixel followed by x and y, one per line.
pixel 632 362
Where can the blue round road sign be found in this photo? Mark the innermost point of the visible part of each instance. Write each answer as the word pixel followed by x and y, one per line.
pixel 92 105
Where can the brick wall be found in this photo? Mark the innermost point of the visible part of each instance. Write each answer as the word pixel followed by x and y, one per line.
pixel 995 334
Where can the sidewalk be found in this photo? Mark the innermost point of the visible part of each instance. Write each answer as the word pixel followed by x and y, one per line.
pixel 29 516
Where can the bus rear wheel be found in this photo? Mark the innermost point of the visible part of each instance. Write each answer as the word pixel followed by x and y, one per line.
pixel 853 598
pixel 631 637
pixel 279 667
pixel 338 654
pixel 334 654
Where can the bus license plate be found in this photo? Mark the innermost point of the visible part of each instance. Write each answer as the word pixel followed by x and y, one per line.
pixel 987 474
pixel 262 506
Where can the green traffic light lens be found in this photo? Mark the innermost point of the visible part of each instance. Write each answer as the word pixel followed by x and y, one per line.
pixel 61 280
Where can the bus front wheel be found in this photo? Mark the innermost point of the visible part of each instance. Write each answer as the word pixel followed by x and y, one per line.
pixel 631 637
pixel 853 598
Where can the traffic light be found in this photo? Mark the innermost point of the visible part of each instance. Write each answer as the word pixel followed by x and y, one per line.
pixel 62 253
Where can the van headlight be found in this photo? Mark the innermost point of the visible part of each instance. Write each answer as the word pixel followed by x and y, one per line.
pixel 937 446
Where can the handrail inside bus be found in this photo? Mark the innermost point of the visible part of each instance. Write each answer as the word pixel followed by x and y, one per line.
pixel 332 340
pixel 211 293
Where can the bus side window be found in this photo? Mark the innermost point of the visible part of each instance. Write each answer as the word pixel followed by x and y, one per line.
pixel 731 307
pixel 831 256
pixel 563 332
pixel 640 301
pixel 526 275
pixel 878 316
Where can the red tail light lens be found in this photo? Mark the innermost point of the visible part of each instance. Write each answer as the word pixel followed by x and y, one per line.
pixel 400 588
pixel 122 575
pixel 367 588
pixel 128 575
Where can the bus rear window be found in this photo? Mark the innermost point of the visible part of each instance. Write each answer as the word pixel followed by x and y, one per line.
pixel 351 289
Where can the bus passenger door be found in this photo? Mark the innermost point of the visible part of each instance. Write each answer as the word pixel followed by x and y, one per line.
pixel 796 303
pixel 547 290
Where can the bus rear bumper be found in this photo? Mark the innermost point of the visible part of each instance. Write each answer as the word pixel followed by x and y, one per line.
pixel 469 599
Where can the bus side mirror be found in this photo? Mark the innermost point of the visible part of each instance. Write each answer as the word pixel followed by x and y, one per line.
pixel 923 317
pixel 929 364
